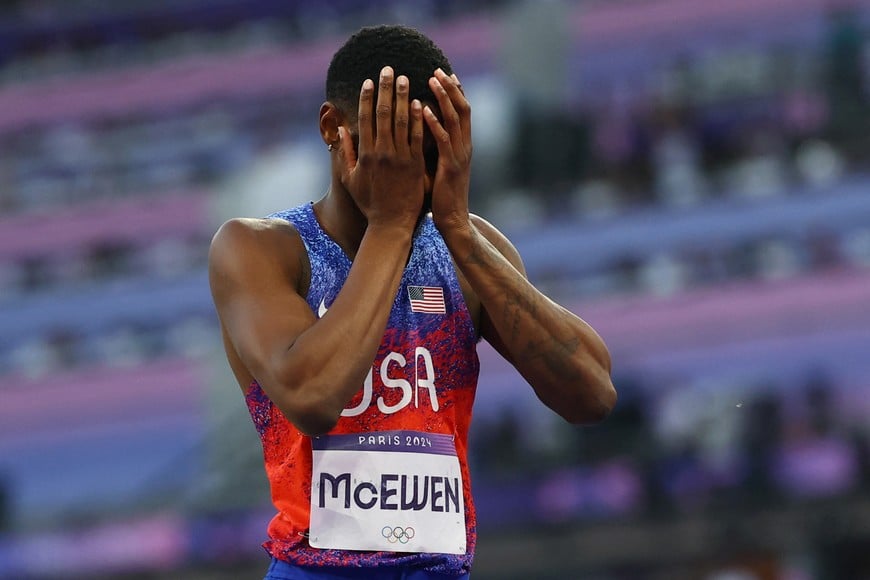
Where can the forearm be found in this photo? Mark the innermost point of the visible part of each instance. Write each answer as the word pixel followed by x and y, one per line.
pixel 559 354
pixel 327 364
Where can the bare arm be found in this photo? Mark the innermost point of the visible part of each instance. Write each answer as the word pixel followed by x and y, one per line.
pixel 562 357
pixel 564 360
pixel 310 368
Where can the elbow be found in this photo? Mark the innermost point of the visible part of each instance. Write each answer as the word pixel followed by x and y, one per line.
pixel 306 406
pixel 596 403
pixel 311 418
pixel 304 400
pixel 317 424
pixel 603 403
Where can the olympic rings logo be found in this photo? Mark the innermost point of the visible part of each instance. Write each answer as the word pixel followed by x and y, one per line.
pixel 398 534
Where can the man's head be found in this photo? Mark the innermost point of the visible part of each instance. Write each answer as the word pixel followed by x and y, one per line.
pixel 362 57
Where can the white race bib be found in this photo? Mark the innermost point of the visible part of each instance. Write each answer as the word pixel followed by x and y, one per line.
pixel 395 491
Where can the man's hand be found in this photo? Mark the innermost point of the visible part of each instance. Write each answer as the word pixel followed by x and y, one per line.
pixel 453 138
pixel 386 178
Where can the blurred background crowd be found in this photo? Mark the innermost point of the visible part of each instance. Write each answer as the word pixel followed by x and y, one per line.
pixel 689 177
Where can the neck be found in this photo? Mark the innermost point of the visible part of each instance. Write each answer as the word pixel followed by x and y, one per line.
pixel 341 219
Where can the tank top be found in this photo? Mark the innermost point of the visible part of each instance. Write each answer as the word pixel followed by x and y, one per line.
pixel 430 344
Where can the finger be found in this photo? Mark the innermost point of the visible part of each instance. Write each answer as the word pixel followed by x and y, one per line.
pixel 453 88
pixel 417 130
pixel 449 115
pixel 345 150
pixel 384 111
pixel 463 107
pixel 458 84
pixel 364 117
pixel 401 117
pixel 439 134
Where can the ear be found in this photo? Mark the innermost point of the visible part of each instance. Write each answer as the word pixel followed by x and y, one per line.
pixel 330 120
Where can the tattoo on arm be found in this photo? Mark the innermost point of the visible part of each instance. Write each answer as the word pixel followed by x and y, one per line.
pixel 523 304
pixel 554 353
pixel 519 302
pixel 476 256
pixel 517 305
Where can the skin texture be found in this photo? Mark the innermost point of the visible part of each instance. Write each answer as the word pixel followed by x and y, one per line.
pixel 310 368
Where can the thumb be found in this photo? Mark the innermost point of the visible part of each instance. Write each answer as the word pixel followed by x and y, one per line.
pixel 346 153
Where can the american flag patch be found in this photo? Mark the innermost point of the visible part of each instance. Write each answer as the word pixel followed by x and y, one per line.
pixel 428 299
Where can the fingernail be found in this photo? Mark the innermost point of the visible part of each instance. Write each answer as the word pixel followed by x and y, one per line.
pixel 455 78
pixel 368 84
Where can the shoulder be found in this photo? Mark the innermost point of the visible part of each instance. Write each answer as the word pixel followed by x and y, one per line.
pixel 253 230
pixel 485 227
pixel 241 234
pixel 245 246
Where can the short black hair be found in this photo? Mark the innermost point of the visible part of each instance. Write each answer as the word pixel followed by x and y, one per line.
pixel 407 50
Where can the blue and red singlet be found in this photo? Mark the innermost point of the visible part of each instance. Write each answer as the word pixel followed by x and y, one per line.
pixel 389 486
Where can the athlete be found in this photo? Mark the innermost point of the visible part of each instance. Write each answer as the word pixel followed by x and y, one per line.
pixel 351 325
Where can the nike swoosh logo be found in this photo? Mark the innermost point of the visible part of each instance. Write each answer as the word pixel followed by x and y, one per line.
pixel 321 310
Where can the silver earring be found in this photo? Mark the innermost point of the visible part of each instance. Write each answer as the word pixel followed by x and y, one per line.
pixel 330 147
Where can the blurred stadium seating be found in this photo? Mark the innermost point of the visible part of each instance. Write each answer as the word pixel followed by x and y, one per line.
pixel 694 183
